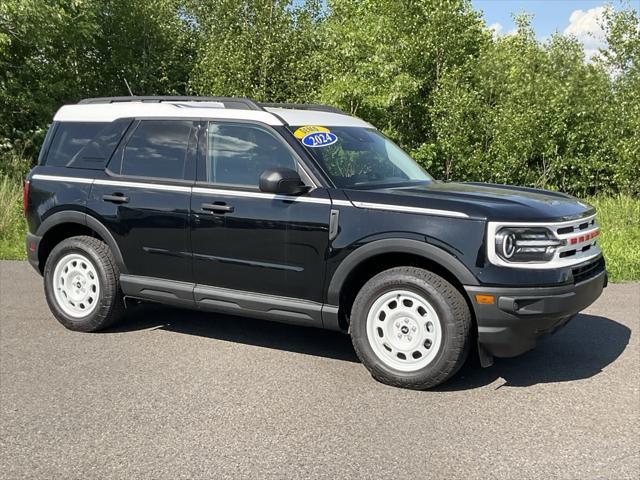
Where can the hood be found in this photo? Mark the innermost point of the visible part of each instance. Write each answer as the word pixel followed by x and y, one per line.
pixel 480 201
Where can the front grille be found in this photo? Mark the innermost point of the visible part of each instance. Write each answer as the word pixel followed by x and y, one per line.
pixel 585 272
pixel 580 239
pixel 569 253
pixel 576 228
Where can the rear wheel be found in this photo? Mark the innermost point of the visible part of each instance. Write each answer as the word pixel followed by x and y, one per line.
pixel 81 284
pixel 410 328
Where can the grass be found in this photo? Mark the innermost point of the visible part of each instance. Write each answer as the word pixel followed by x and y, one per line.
pixel 619 218
pixel 12 225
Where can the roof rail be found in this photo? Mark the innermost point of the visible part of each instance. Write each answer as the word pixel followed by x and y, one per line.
pixel 228 102
pixel 305 106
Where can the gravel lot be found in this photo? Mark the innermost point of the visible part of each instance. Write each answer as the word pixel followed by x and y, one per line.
pixel 178 394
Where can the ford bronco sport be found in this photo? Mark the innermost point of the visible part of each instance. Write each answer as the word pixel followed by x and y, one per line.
pixel 300 214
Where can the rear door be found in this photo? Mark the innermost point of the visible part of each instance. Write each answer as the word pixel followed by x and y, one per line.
pixel 143 197
pixel 251 241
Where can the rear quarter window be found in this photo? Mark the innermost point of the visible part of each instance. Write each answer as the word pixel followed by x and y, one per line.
pixel 85 144
pixel 69 139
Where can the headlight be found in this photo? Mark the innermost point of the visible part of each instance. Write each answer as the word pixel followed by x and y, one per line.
pixel 526 244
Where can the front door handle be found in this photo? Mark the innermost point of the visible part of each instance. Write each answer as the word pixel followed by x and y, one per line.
pixel 115 198
pixel 217 207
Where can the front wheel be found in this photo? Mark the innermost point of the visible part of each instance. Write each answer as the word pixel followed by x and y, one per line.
pixel 81 284
pixel 410 328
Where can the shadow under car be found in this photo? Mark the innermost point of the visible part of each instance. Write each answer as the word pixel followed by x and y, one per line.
pixel 580 350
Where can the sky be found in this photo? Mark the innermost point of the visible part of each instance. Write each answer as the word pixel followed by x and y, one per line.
pixel 577 17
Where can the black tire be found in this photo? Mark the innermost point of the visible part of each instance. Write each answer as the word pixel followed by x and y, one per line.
pixel 455 322
pixel 110 305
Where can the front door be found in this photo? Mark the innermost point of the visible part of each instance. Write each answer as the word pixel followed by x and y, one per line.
pixel 247 240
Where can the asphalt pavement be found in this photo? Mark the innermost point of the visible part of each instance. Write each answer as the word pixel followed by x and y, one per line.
pixel 171 394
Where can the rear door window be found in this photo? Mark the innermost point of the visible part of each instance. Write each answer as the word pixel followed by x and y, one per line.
pixel 157 149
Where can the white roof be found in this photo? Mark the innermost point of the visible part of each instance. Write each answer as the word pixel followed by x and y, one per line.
pixel 315 117
pixel 107 112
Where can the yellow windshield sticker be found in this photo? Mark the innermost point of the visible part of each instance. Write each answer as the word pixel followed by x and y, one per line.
pixel 304 131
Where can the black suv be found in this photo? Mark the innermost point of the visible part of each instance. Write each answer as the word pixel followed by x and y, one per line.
pixel 300 214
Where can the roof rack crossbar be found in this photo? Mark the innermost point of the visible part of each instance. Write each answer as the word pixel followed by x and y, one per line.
pixel 228 102
pixel 304 106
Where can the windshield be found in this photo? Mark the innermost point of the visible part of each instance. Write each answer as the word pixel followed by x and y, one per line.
pixel 357 157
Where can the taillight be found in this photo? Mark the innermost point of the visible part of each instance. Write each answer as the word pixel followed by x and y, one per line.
pixel 25 196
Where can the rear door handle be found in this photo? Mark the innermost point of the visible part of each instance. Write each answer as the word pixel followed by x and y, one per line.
pixel 115 198
pixel 217 207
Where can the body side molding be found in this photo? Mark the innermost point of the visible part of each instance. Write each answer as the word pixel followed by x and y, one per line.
pixel 169 292
pixel 229 301
pixel 396 245
pixel 268 307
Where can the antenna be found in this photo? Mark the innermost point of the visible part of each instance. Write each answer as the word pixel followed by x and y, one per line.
pixel 128 87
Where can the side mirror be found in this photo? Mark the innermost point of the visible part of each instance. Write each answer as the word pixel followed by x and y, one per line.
pixel 283 181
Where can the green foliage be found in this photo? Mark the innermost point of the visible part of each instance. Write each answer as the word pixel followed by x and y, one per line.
pixel 58 51
pixel 527 113
pixel 259 49
pixel 384 58
pixel 509 109
pixel 619 218
pixel 14 164
pixel 622 59
pixel 12 225
pixel 13 167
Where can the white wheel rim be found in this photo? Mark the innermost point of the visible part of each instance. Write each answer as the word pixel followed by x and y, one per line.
pixel 76 285
pixel 404 330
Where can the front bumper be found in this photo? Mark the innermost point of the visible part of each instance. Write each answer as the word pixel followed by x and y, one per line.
pixel 519 316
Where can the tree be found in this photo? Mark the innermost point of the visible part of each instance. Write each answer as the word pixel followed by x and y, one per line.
pixel 263 49
pixel 42 60
pixel 55 51
pixel 468 106
pixel 622 59
pixel 384 58
pixel 525 112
